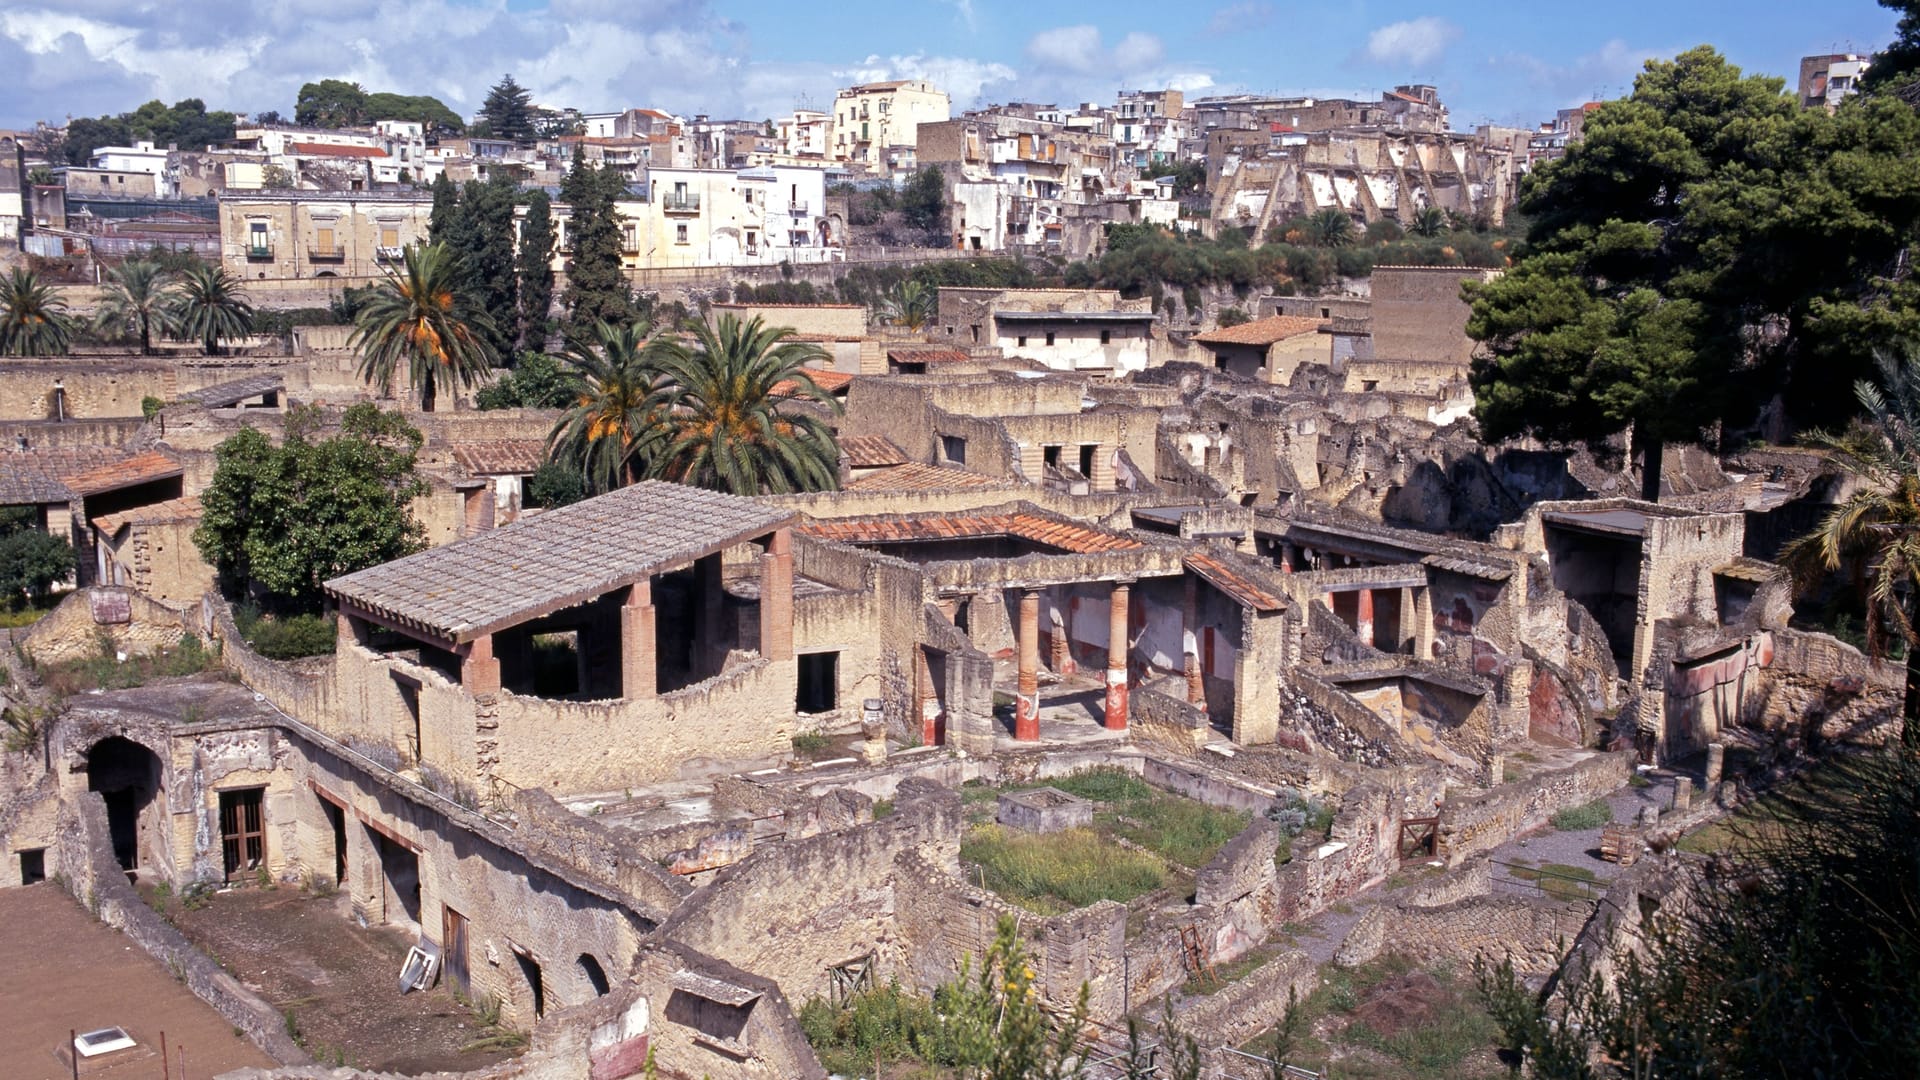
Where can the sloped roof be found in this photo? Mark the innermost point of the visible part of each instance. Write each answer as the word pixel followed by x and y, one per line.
pixel 555 559
pixel 833 382
pixel 918 476
pixel 172 510
pixel 501 457
pixel 871 451
pixel 926 354
pixel 227 394
pixel 38 477
pixel 1262 331
pixel 138 469
pixel 1066 535
pixel 1237 583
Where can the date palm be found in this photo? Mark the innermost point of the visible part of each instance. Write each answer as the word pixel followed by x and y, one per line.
pixel 210 305
pixel 909 304
pixel 420 318
pixel 1877 529
pixel 1330 228
pixel 1431 221
pixel 33 319
pixel 620 417
pixel 733 430
pixel 138 301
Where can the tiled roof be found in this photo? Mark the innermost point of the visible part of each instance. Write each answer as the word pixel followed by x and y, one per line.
pixel 833 382
pixel 918 476
pixel 924 354
pixel 501 457
pixel 871 451
pixel 1262 331
pixel 1488 569
pixel 555 559
pixel 186 509
pixel 1234 581
pixel 1065 535
pixel 227 394
pixel 128 471
pixel 326 150
pixel 40 476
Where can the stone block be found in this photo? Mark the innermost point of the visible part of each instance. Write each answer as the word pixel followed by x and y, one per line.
pixel 1044 810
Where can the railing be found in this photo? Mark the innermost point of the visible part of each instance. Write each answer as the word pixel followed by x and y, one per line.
pixel 386 253
pixel 798 208
pixel 1550 884
pixel 259 251
pixel 681 202
pixel 1235 1063
pixel 329 255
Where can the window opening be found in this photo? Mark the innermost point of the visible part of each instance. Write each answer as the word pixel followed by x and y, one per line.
pixel 243 839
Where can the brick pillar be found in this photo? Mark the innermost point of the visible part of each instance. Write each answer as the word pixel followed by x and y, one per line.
pixel 1060 653
pixel 639 669
pixel 1190 644
pixel 776 597
pixel 1026 698
pixel 1102 476
pixel 1033 463
pixel 929 699
pixel 1116 713
pixel 1363 617
pixel 479 671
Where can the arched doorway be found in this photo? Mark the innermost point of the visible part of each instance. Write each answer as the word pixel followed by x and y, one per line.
pixel 127 776
pixel 596 975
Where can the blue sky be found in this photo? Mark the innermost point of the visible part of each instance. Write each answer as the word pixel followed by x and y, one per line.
pixel 1506 62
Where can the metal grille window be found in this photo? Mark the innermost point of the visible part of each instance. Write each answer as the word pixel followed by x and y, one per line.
pixel 243 838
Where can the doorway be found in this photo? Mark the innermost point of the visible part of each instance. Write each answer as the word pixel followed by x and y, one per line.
pixel 243 837
pixel 530 968
pixel 453 951
pixel 596 975
pixel 337 821
pixel 127 776
pixel 400 873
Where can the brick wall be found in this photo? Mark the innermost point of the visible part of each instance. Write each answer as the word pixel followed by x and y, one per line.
pixel 1481 823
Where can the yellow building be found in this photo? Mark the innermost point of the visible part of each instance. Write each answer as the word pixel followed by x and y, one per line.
pixel 318 234
pixel 872 121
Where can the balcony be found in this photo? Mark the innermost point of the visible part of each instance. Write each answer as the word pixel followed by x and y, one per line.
pixel 798 208
pixel 679 202
pixel 389 253
pixel 260 252
pixel 327 255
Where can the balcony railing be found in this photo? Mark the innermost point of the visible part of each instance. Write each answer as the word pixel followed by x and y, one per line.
pixel 389 253
pixel 798 208
pixel 327 255
pixel 260 251
pixel 679 202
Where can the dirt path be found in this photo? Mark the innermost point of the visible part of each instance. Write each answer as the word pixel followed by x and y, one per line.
pixel 339 981
pixel 66 972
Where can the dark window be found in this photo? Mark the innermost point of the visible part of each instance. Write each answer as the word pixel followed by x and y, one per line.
pixel 1106 337
pixel 410 697
pixel 955 449
pixel 33 866
pixel 1326 313
pixel 530 968
pixel 1049 337
pixel 596 975
pixel 1022 341
pixel 819 683
pixel 243 838
pixel 1050 455
pixel 1086 460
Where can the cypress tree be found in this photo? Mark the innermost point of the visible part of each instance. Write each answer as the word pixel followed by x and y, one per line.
pixel 535 264
pixel 596 288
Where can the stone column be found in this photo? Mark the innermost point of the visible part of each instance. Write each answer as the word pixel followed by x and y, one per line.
pixel 1060 652
pixel 1026 698
pixel 776 597
pixel 639 669
pixel 1116 714
pixel 1190 643
pixel 1716 763
pixel 1363 616
pixel 479 671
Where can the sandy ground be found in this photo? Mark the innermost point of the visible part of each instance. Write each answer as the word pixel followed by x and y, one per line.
pixel 64 971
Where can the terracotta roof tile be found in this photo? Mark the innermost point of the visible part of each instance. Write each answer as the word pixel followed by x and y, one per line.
pixel 918 476
pixel 501 457
pixel 833 382
pixel 871 451
pixel 1262 331
pixel 187 509
pixel 925 354
pixel 40 476
pixel 136 469
pixel 1234 581
pixel 1065 535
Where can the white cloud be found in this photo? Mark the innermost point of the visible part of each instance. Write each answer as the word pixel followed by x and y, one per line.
pixel 1607 72
pixel 1073 48
pixel 965 80
pixel 1240 18
pixel 1413 42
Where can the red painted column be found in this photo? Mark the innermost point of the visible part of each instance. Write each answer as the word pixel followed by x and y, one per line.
pixel 1363 617
pixel 929 702
pixel 1116 715
pixel 1026 697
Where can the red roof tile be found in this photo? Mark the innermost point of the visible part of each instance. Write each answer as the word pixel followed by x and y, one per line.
pixel 137 469
pixel 501 457
pixel 918 476
pixel 871 451
pixel 1262 331
pixel 833 382
pixel 1065 535
pixel 1236 583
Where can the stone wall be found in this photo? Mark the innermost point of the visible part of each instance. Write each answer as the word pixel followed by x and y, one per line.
pixel 70 632
pixel 1533 932
pixel 1481 823
pixel 1234 1014
pixel 93 388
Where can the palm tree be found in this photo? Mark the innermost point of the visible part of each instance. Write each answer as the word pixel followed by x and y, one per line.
pixel 1431 221
pixel 33 320
pixel 421 318
pixel 138 301
pixel 729 430
pixel 620 419
pixel 211 304
pixel 1330 228
pixel 909 304
pixel 1877 529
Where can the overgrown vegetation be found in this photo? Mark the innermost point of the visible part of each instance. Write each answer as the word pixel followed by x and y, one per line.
pixel 287 636
pixel 1392 1019
pixel 105 670
pixel 1054 872
pixel 1590 815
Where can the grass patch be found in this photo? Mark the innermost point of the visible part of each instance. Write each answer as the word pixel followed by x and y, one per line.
pixel 1451 1036
pixel 1055 872
pixel 1585 816
pixel 881 808
pixel 1559 880
pixel 885 1024
pixel 1766 818
pixel 1180 830
pixel 1105 785
pixel 1638 781
pixel 812 746
pixel 26 616
pixel 106 671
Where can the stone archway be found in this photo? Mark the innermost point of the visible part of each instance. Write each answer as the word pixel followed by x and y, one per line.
pixel 128 777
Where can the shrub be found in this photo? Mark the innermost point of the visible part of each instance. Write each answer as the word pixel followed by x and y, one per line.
pixel 289 637
pixel 1105 784
pixel 1585 816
